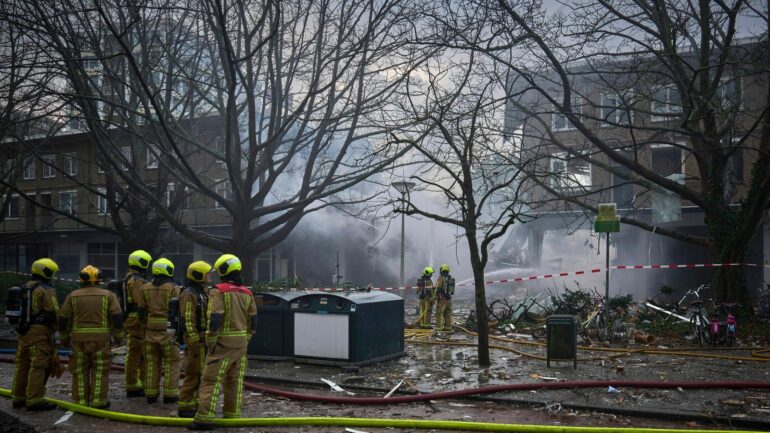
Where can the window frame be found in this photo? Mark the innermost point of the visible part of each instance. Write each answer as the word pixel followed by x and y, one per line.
pixel 102 205
pixel 682 158
pixel 73 207
pixel 219 190
pixel 70 164
pixel 8 216
pixel 49 163
pixel 29 169
pixel 576 102
pixel 560 182
pixel 666 113
pixel 617 110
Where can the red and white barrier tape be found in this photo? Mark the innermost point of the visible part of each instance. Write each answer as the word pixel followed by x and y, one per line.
pixel 530 278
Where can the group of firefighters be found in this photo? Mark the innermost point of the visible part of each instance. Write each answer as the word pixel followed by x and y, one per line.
pixel 215 325
pixel 439 295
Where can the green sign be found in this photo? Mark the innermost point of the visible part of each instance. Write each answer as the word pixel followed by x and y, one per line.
pixel 607 221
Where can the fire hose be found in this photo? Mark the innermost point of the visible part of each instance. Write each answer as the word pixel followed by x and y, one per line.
pixel 360 422
pixel 421 424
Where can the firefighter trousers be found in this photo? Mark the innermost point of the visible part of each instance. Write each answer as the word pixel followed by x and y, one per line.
pixel 426 311
pixel 90 364
pixel 33 365
pixel 135 366
pixel 161 356
pixel 224 370
pixel 443 314
pixel 194 357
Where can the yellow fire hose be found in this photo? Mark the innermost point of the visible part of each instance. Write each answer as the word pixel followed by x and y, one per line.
pixel 359 422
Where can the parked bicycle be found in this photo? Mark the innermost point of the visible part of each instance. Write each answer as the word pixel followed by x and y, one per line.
pixel 729 324
pixel 604 324
pixel 699 325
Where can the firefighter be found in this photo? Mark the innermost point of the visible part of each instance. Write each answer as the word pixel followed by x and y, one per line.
pixel 232 319
pixel 161 353
pixel 36 347
pixel 192 305
pixel 427 295
pixel 445 288
pixel 86 320
pixel 135 279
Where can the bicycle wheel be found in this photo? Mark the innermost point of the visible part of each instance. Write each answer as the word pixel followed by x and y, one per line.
pixel 617 331
pixel 598 327
pixel 698 329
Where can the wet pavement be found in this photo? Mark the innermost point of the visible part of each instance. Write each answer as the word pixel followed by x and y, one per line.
pixel 432 364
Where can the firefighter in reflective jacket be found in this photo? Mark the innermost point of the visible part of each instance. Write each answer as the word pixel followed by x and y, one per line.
pixel 86 320
pixel 192 305
pixel 444 291
pixel 138 261
pixel 36 347
pixel 232 315
pixel 161 352
pixel 427 295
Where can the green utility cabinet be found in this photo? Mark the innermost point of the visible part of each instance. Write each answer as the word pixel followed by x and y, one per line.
pixel 347 329
pixel 561 338
pixel 271 341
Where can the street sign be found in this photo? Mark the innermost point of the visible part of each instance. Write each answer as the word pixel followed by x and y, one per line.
pixel 607 221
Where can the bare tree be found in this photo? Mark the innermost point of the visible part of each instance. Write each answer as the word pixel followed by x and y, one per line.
pixel 301 91
pixel 466 158
pixel 626 77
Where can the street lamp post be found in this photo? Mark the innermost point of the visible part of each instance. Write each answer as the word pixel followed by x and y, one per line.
pixel 402 187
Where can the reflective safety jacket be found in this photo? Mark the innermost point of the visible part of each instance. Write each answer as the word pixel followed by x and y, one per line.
pixel 156 296
pixel 425 288
pixel 134 281
pixel 44 305
pixel 89 314
pixel 232 315
pixel 441 287
pixel 193 304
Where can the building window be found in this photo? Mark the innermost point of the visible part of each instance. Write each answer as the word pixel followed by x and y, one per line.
pixel 665 102
pixel 224 190
pixel 559 121
pixel 169 196
pixel 67 256
pixel 68 202
pixel 70 164
pixel 666 160
pixel 49 161
pixel 101 201
pixel 127 159
pixel 152 158
pixel 569 171
pixel 729 94
pixel 29 169
pixel 616 109
pixel 12 211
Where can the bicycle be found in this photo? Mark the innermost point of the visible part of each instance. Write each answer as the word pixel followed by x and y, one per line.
pixel 596 323
pixel 699 323
pixel 696 291
pixel 730 323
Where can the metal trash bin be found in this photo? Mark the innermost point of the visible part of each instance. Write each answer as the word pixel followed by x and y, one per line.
pixel 561 338
pixel 271 340
pixel 350 329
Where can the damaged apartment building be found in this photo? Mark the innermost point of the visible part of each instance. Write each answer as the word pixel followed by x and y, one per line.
pixel 631 106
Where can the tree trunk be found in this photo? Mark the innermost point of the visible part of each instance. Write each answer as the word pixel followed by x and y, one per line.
pixel 730 281
pixel 481 301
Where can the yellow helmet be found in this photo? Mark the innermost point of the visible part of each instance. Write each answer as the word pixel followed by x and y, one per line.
pixel 90 275
pixel 139 259
pixel 427 271
pixel 44 268
pixel 444 268
pixel 164 267
pixel 197 271
pixel 227 264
